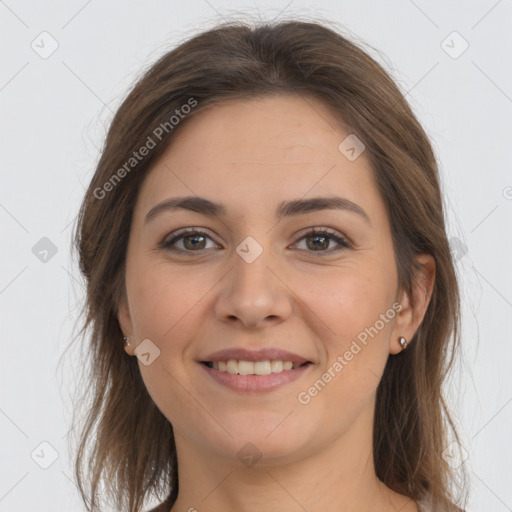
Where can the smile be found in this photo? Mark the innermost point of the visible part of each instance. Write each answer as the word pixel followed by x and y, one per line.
pixel 242 367
pixel 254 376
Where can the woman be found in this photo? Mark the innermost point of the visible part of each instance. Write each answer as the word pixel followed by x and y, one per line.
pixel 272 301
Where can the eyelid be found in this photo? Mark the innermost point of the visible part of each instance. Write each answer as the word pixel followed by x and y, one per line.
pixel 342 240
pixel 325 230
pixel 175 235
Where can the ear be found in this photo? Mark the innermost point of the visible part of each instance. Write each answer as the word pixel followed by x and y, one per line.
pixel 125 323
pixel 411 315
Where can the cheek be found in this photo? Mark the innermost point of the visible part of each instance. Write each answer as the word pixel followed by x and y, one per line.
pixel 355 304
pixel 164 298
pixel 355 347
pixel 164 307
pixel 350 298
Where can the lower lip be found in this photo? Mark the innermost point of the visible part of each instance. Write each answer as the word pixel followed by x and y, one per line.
pixel 256 383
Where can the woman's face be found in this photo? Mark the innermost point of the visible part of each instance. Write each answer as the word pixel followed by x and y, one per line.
pixel 254 279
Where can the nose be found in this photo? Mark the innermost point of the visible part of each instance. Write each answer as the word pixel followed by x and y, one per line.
pixel 253 295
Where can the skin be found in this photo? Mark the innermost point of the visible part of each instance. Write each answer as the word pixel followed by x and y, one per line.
pixel 251 155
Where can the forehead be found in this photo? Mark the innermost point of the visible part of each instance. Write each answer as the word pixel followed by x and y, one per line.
pixel 273 127
pixel 269 148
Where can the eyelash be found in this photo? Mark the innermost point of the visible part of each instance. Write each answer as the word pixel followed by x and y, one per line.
pixel 342 241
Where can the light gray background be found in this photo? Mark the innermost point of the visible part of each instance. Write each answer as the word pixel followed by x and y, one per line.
pixel 54 113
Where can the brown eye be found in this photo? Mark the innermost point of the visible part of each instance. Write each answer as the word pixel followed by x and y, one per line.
pixel 320 240
pixel 317 240
pixel 191 240
pixel 194 242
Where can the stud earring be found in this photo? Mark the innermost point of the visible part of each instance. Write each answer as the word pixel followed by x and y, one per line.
pixel 126 341
pixel 403 342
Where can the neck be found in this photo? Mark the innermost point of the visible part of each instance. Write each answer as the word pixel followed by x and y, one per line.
pixel 337 475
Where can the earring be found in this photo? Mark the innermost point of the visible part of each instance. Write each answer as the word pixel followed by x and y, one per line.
pixel 403 342
pixel 126 341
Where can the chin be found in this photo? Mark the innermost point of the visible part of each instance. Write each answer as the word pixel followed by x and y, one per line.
pixel 271 442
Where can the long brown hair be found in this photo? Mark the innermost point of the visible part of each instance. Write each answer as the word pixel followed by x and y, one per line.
pixel 126 450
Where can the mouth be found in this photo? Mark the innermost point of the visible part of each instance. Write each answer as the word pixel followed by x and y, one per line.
pixel 243 376
pixel 244 367
pixel 262 370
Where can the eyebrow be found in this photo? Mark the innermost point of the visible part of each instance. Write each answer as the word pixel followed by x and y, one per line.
pixel 285 209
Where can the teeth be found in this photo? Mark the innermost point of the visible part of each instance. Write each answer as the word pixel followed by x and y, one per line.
pixel 232 366
pixel 276 366
pixel 245 367
pixel 253 368
pixel 262 368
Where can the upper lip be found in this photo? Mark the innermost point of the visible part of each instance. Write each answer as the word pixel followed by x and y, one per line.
pixel 264 354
